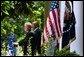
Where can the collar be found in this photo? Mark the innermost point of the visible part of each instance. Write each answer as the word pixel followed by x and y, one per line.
pixel 35 28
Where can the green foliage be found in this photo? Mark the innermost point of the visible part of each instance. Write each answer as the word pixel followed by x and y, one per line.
pixel 44 49
pixel 65 52
pixel 47 51
pixel 15 13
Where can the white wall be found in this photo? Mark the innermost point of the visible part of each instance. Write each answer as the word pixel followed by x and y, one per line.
pixel 77 45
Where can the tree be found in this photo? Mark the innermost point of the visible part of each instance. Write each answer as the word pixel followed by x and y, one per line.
pixel 15 13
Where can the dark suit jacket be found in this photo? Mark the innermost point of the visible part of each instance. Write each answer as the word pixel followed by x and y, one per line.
pixel 26 39
pixel 37 36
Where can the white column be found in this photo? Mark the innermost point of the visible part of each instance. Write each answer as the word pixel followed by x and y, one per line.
pixel 77 45
pixel 62 10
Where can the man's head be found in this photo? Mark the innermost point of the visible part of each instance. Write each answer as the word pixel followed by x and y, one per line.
pixel 35 24
pixel 27 26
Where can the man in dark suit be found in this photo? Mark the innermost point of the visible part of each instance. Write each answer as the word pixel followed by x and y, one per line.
pixel 36 38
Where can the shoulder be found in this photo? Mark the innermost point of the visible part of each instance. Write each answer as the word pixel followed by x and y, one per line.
pixel 37 30
pixel 30 33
